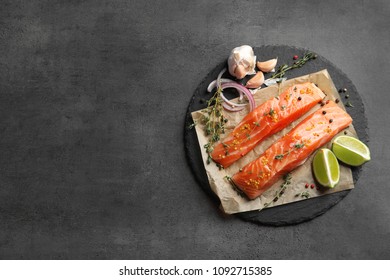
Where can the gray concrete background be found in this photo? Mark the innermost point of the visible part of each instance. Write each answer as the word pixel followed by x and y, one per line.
pixel 92 102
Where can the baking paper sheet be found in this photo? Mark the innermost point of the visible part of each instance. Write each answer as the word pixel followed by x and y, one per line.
pixel 231 200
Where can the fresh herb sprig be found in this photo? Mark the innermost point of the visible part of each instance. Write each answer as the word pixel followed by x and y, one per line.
pixel 298 63
pixel 296 146
pixel 304 194
pixel 348 104
pixel 235 188
pixel 283 187
pixel 191 126
pixel 214 122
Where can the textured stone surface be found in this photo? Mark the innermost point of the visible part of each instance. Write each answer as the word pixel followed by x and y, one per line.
pixel 92 163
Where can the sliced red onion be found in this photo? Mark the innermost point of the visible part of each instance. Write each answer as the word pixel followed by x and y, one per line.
pixel 219 77
pixel 213 84
pixel 227 83
pixel 233 104
pixel 248 94
pixel 218 82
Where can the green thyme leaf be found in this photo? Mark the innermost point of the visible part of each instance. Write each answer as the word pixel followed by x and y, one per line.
pixel 348 104
pixel 279 156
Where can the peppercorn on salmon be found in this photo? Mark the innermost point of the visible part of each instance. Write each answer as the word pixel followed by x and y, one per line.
pixel 291 150
pixel 267 119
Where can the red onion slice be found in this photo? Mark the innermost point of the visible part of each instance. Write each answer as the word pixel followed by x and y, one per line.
pixel 247 93
pixel 213 84
pixel 219 77
pixel 233 104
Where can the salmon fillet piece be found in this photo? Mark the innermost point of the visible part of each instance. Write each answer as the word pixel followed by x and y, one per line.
pixel 291 150
pixel 267 119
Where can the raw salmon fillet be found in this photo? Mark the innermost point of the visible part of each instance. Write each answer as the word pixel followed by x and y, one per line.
pixel 267 119
pixel 291 150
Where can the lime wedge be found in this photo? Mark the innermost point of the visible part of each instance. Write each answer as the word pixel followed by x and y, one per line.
pixel 350 150
pixel 326 168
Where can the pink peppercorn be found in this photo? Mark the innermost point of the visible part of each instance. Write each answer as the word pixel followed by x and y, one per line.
pixel 295 57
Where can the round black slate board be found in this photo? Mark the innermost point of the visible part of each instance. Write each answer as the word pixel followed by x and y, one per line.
pixel 292 213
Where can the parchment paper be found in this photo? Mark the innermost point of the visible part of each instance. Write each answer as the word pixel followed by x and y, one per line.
pixel 231 201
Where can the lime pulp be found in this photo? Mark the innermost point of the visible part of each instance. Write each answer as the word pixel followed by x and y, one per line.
pixel 326 168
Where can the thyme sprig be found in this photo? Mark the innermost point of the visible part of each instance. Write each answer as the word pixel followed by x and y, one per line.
pixel 271 113
pixel 214 121
pixel 349 104
pixel 304 194
pixel 191 126
pixel 296 146
pixel 280 192
pixel 297 64
pixel 235 188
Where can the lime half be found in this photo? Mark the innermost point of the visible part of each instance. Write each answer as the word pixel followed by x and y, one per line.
pixel 350 150
pixel 326 168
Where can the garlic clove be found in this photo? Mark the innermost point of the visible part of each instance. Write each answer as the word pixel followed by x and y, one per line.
pixel 256 81
pixel 240 72
pixel 267 66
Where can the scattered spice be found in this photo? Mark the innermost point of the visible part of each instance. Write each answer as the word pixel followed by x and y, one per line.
pixel 348 104
pixel 295 57
pixel 306 185
pixel 345 132
pixel 327 102
pixel 324 112
pixel 299 98
pixel 331 120
pixel 347 96
pixel 272 114
pixel 345 90
pixel 312 186
pixel 337 100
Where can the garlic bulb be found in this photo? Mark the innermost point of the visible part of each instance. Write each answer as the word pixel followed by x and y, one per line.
pixel 267 66
pixel 242 62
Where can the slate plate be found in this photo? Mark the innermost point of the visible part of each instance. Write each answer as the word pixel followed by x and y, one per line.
pixel 292 213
